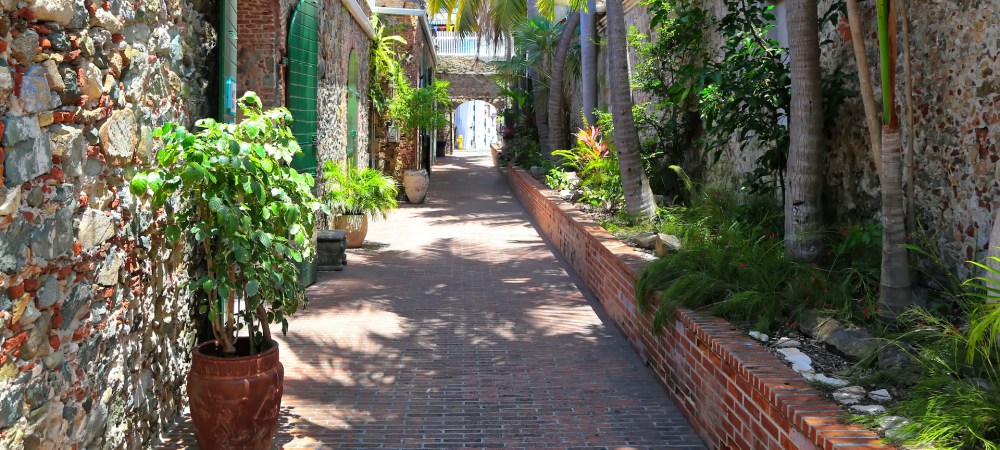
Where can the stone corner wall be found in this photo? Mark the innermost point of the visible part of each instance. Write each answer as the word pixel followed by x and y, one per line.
pixel 95 333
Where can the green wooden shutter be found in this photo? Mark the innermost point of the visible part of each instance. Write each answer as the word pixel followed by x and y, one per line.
pixel 227 61
pixel 303 49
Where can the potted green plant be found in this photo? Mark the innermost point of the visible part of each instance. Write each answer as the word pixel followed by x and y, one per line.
pixel 353 194
pixel 427 108
pixel 229 192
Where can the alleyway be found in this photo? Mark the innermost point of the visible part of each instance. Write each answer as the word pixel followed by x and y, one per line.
pixel 456 326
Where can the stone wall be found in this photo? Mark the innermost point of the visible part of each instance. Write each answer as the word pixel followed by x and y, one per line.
pixel 94 330
pixel 957 100
pixel 339 36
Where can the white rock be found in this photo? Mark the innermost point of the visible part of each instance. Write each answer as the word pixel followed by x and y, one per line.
pixel 801 362
pixel 646 240
pixel 58 11
pixel 30 315
pixel 826 381
pixel 91 81
pixel 881 396
pixel 759 336
pixel 788 343
pixel 10 199
pixel 851 395
pixel 870 410
pixel 892 425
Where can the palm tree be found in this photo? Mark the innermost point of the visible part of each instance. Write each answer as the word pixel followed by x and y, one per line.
pixel 894 292
pixel 804 182
pixel 635 187
pixel 536 39
pixel 557 128
pixel 588 61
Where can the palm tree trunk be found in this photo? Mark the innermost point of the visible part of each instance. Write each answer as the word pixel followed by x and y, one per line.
pixel 908 166
pixel 557 126
pixel 894 292
pixel 865 82
pixel 588 61
pixel 803 214
pixel 638 196
pixel 895 280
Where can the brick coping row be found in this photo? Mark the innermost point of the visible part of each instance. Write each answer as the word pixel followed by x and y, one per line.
pixel 734 392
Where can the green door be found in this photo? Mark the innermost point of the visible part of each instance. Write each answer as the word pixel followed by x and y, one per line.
pixel 227 61
pixel 303 49
pixel 303 58
pixel 352 107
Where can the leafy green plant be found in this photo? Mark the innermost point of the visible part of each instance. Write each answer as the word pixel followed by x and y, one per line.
pixel 385 71
pixel 425 108
pixel 352 191
pixel 732 264
pixel 955 403
pixel 558 179
pixel 597 168
pixel 523 152
pixel 230 190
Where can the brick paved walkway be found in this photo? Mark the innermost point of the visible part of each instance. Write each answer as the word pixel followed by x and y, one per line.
pixel 457 327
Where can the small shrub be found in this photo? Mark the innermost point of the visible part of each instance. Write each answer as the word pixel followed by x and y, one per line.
pixel 597 167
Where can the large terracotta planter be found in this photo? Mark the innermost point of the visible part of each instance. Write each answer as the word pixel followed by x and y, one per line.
pixel 356 226
pixel 415 184
pixel 235 401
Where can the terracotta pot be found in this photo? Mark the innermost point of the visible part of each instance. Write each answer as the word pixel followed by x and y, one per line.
pixel 415 183
pixel 356 226
pixel 235 401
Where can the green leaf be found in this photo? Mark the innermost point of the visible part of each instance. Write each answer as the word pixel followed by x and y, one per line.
pixel 252 287
pixel 172 233
pixel 139 184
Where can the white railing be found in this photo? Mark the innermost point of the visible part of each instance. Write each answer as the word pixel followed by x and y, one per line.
pixel 449 43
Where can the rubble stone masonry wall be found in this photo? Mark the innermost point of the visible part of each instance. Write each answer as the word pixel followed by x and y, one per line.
pixel 94 337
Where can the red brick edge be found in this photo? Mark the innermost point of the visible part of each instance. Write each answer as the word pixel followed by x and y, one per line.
pixel 735 393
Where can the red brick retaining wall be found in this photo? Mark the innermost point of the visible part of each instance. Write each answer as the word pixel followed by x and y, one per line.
pixel 735 393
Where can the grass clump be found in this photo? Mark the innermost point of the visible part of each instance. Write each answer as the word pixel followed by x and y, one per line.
pixel 955 402
pixel 732 264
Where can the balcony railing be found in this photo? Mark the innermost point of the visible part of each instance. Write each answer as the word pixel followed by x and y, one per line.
pixel 449 43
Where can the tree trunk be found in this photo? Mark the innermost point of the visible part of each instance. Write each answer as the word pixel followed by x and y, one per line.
pixel 803 214
pixel 894 294
pixel 865 82
pixel 557 125
pixel 588 61
pixel 538 96
pixel 638 196
pixel 540 104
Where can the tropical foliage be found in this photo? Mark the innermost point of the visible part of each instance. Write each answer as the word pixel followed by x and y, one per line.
pixel 425 108
pixel 385 72
pixel 354 191
pixel 229 190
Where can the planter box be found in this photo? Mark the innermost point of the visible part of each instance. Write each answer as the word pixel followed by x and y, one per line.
pixel 734 392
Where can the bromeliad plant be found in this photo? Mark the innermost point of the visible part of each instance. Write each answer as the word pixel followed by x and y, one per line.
pixel 229 189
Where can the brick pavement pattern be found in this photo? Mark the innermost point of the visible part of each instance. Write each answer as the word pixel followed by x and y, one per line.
pixel 457 327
